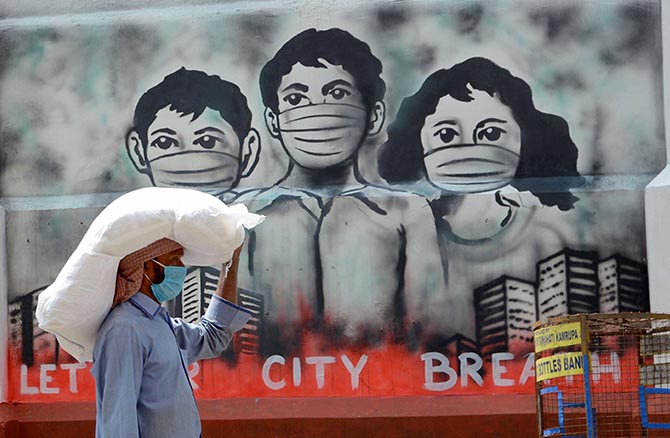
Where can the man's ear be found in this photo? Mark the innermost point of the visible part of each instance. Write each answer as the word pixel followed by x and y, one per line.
pixel 377 117
pixel 136 151
pixel 251 152
pixel 152 272
pixel 272 122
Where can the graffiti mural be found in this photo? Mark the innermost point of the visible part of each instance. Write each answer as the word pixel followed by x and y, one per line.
pixel 324 96
pixel 436 178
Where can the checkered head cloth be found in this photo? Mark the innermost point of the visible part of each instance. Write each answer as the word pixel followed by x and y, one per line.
pixel 131 268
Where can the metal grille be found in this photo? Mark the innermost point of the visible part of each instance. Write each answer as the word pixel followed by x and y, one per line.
pixel 603 375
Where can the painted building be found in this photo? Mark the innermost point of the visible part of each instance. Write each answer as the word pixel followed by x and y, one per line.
pixel 199 286
pixel 621 282
pixel 505 316
pixel 567 283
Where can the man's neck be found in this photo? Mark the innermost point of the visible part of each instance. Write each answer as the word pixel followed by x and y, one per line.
pixel 145 288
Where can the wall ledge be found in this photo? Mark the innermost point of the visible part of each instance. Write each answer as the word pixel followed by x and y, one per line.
pixel 462 416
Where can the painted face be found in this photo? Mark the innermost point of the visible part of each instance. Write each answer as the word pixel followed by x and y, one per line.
pixel 471 147
pixel 182 152
pixel 322 119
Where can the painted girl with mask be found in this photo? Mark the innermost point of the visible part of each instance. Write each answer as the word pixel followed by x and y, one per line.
pixel 472 142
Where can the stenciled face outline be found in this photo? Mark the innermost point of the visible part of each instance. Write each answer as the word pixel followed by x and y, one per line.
pixel 471 147
pixel 322 118
pixel 203 152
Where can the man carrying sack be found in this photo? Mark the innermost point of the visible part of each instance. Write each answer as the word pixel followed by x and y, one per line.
pixel 141 357
pixel 105 306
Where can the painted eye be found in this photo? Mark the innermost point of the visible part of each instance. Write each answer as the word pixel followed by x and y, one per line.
pixel 447 135
pixel 207 141
pixel 339 93
pixel 294 99
pixel 492 133
pixel 164 142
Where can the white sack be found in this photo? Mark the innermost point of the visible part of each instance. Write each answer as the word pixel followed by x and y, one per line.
pixel 75 305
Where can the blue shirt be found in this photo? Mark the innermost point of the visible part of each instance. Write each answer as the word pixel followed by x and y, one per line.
pixel 140 362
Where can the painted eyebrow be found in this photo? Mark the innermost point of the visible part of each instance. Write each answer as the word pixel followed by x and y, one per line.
pixel 209 128
pixel 165 130
pixel 330 85
pixel 297 86
pixel 445 122
pixel 489 120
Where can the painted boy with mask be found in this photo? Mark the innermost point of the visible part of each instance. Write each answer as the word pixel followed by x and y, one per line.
pixel 362 255
pixel 194 130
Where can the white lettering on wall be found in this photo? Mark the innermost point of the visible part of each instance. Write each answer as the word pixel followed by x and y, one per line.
pixel 528 369
pixel 45 379
pixel 499 369
pixel 45 383
pixel 320 362
pixel 355 371
pixel 25 388
pixel 73 367
pixel 297 372
pixel 193 371
pixel 265 373
pixel 613 367
pixel 320 370
pixel 442 367
pixel 471 369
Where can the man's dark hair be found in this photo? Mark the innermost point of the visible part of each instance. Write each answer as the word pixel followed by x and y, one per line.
pixel 548 156
pixel 191 92
pixel 336 46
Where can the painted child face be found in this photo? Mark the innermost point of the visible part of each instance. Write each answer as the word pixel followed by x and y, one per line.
pixel 322 119
pixel 182 152
pixel 471 147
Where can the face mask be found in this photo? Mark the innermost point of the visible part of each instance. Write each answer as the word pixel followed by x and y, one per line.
pixel 471 168
pixel 322 135
pixel 172 283
pixel 195 169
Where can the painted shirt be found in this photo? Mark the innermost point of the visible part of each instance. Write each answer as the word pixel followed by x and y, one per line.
pixel 140 365
pixel 279 260
pixel 530 233
pixel 380 262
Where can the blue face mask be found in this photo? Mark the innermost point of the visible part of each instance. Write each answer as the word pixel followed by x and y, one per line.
pixel 172 283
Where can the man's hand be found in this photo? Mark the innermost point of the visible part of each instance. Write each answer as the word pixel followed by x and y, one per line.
pixel 227 286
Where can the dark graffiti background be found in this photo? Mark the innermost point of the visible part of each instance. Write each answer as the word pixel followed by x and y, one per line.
pixel 358 248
